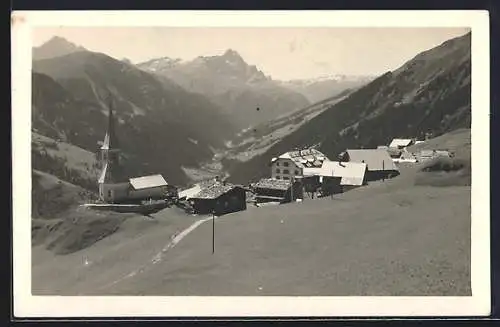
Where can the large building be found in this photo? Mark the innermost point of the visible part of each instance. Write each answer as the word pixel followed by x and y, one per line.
pixel 295 163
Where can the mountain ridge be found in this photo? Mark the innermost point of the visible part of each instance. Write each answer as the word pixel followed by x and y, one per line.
pixel 431 95
pixel 237 87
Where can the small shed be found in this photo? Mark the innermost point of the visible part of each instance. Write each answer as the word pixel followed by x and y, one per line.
pixel 425 155
pixel 401 143
pixel 220 198
pixel 394 153
pixel 407 156
pixel 379 164
pixel 277 190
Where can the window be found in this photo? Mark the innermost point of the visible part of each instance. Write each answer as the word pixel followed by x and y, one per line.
pixel 287 178
pixel 285 164
pixel 286 171
pixel 277 177
pixel 277 164
pixel 297 172
pixel 277 171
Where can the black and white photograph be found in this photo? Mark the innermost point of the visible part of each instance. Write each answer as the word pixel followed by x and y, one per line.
pixel 232 162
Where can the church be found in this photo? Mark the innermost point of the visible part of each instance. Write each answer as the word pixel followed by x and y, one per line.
pixel 115 186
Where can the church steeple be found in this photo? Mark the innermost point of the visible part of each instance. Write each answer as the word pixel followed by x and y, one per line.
pixel 110 154
pixel 110 139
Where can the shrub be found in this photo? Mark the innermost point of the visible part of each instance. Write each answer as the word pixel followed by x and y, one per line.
pixel 445 172
pixel 445 164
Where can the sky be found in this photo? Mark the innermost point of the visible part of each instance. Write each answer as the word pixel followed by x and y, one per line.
pixel 283 53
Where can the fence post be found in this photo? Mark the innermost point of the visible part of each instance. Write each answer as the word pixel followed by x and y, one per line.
pixel 383 170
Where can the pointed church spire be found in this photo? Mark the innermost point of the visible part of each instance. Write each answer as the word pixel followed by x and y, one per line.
pixel 110 139
pixel 110 153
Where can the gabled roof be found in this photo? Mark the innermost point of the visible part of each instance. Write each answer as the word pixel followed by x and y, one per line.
pixel 304 158
pixel 190 192
pixel 273 184
pixel 400 142
pixel 375 159
pixel 139 183
pixel 351 173
pixel 214 191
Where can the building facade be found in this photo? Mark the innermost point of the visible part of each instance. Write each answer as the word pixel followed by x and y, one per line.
pixel 291 165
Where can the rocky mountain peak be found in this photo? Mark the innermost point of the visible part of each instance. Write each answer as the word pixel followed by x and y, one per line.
pixel 55 47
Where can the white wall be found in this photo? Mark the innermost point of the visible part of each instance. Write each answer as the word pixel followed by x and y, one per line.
pixel 280 170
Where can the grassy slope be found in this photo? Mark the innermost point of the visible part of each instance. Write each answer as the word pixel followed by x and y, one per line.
pixel 51 196
pixel 61 156
pixel 389 238
pixel 365 242
pixel 135 240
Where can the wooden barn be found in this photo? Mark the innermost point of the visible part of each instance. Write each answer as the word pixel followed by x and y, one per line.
pixel 219 198
pixel 337 177
pixel 378 163
pixel 277 190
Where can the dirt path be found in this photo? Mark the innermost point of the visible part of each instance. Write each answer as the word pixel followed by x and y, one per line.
pixel 175 239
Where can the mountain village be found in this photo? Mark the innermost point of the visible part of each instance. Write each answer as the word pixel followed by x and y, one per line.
pixel 294 176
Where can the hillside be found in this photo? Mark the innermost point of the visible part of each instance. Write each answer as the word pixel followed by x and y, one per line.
pixel 64 161
pixel 237 87
pixel 257 139
pixel 157 118
pixel 429 93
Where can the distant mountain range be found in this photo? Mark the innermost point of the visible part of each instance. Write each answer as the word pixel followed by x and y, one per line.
pixel 244 92
pixel 327 86
pixel 429 93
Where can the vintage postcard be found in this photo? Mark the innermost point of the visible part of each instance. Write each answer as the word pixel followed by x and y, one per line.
pixel 250 164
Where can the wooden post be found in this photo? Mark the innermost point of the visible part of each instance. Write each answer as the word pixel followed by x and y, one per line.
pixel 291 190
pixel 213 231
pixel 383 170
